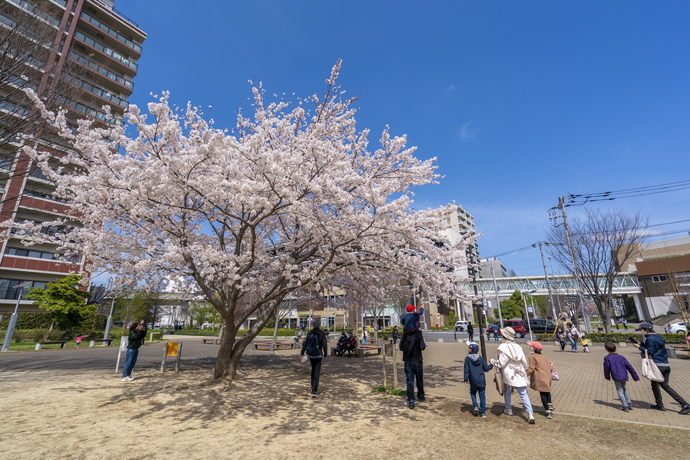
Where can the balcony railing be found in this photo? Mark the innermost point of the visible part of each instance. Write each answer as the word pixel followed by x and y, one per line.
pixel 105 50
pixel 98 91
pixel 100 69
pixel 110 31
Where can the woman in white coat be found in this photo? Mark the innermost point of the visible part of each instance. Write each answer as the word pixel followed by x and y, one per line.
pixel 513 364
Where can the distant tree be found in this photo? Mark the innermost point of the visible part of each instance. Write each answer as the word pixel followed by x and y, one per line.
pixel 64 300
pixel 600 240
pixel 202 312
pixel 513 307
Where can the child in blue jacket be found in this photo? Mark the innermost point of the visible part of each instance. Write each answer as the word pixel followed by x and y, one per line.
pixel 475 366
pixel 410 321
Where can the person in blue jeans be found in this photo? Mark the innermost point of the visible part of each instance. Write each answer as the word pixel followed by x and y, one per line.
pixel 412 345
pixel 475 366
pixel 655 346
pixel 137 332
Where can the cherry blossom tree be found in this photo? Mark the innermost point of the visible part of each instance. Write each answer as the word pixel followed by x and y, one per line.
pixel 289 200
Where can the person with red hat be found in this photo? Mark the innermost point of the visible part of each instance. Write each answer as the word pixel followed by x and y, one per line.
pixel 539 373
pixel 410 321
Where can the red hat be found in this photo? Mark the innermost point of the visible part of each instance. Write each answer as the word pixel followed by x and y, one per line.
pixel 411 308
pixel 536 345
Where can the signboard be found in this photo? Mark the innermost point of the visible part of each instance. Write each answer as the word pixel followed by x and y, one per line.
pixel 172 348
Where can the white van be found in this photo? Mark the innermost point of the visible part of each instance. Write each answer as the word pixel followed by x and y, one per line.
pixel 461 326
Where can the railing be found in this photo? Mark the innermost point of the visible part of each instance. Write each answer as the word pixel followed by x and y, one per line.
pixel 110 31
pixel 98 91
pixel 35 11
pixel 108 51
pixel 100 69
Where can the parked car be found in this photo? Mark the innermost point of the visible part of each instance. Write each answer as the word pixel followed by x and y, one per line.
pixel 517 326
pixel 677 328
pixel 540 326
pixel 461 326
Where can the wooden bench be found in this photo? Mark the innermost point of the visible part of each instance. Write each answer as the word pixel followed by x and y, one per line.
pixel 106 342
pixel 213 340
pixel 364 349
pixel 40 344
pixel 270 345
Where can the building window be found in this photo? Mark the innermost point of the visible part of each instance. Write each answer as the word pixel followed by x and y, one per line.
pixel 659 279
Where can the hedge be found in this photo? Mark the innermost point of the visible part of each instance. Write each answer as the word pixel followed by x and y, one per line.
pixel 616 337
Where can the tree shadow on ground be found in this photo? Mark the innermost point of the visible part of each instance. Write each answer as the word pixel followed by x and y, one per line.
pixel 274 387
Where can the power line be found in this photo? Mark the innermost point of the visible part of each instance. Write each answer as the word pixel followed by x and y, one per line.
pixel 582 198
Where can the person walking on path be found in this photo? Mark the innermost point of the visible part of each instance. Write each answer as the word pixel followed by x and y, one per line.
pixel 513 364
pixel 474 368
pixel 470 332
pixel 655 346
pixel 494 328
pixel 539 372
pixel 395 335
pixel 78 340
pixel 412 346
pixel 573 336
pixel 316 349
pixel 137 333
pixel 617 367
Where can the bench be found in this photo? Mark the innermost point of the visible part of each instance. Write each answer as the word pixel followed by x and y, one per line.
pixel 106 342
pixel 213 340
pixel 364 349
pixel 271 346
pixel 40 344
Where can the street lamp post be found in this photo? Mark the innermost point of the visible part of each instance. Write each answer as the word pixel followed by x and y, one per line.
pixel 524 299
pixel 13 319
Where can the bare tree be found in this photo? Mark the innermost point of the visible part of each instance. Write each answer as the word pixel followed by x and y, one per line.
pixel 600 241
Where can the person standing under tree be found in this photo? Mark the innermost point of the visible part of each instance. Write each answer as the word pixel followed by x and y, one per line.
pixel 470 332
pixel 316 348
pixel 137 333
pixel 412 345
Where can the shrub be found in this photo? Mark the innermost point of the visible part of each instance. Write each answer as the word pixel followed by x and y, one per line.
pixel 600 337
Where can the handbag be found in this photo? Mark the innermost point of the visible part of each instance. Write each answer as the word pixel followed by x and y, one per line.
pixel 498 378
pixel 554 374
pixel 650 370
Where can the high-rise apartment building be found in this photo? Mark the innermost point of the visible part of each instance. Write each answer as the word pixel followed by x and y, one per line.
pixel 77 54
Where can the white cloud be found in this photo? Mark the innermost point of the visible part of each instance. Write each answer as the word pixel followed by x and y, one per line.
pixel 467 132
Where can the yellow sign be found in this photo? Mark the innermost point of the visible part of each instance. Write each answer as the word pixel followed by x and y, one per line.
pixel 172 348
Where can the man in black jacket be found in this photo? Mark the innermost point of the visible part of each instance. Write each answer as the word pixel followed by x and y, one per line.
pixel 316 348
pixel 412 346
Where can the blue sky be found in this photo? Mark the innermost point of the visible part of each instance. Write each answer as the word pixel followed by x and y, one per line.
pixel 522 102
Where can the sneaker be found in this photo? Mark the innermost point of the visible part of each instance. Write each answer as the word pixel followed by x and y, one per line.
pixel 658 407
pixel 410 405
pixel 551 407
pixel 549 415
pixel 482 415
pixel 625 409
pixel 127 379
pixel 630 407
pixel 531 419
pixel 685 409
pixel 476 411
pixel 314 394
pixel 421 398
pixel 508 411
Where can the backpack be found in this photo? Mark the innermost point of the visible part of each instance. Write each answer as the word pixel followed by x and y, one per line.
pixel 313 347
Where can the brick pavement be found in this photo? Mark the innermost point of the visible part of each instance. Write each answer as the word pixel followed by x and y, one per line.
pixel 582 390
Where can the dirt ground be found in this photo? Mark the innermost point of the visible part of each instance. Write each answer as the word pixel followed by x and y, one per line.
pixel 269 414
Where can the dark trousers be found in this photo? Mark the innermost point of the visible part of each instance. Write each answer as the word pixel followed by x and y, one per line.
pixel 656 388
pixel 545 399
pixel 414 370
pixel 315 373
pixel 130 361
pixel 471 334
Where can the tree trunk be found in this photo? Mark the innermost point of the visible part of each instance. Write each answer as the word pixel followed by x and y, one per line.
pixel 229 356
pixel 275 328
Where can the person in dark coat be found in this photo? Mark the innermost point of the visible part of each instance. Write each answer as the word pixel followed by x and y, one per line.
pixel 475 366
pixel 316 348
pixel 470 332
pixel 412 345
pixel 655 346
pixel 137 333
pixel 395 335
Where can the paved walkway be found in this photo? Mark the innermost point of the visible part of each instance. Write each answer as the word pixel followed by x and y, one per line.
pixel 582 390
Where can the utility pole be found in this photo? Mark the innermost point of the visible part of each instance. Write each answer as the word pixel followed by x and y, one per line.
pixel 546 277
pixel 498 303
pixel 576 267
